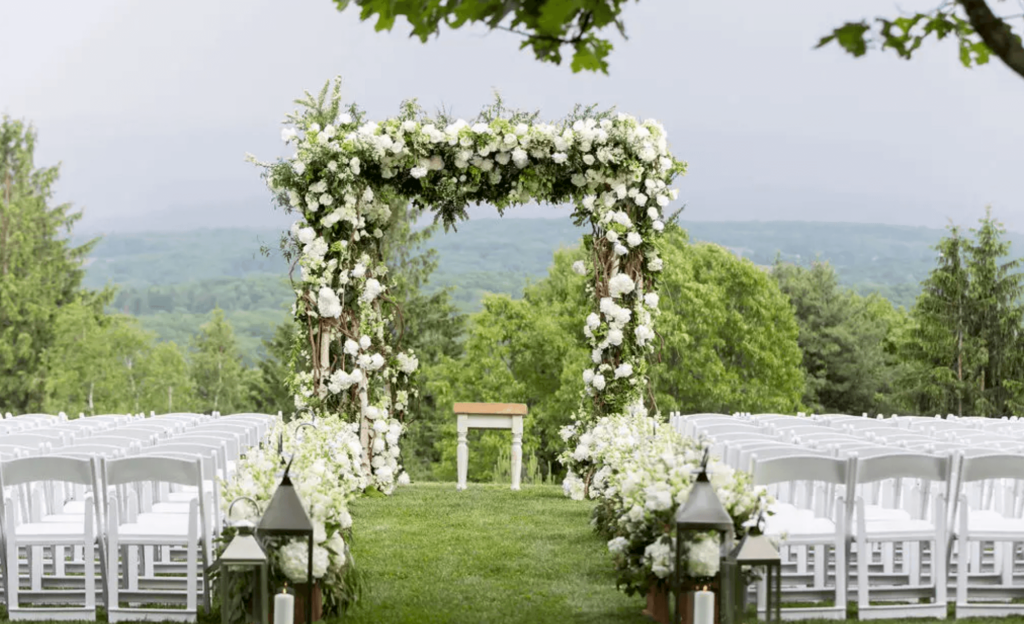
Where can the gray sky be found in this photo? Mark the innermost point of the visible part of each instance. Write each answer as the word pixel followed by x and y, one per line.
pixel 152 105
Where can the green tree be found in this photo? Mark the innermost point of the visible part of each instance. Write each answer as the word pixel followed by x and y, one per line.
pixel 996 316
pixel 979 31
pixel 166 384
pixel 217 370
pixel 268 387
pixel 939 346
pixel 728 335
pixel 95 363
pixel 545 25
pixel 40 271
pixel 843 337
pixel 728 342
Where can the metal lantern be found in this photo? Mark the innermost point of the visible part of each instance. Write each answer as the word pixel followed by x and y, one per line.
pixel 244 553
pixel 286 517
pixel 701 513
pixel 755 550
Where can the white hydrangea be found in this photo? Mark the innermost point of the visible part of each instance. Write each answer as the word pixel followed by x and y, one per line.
pixel 407 363
pixel 579 268
pixel 619 285
pixel 328 303
pixel 371 290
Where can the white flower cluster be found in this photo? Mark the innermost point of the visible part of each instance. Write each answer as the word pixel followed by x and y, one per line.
pixel 326 474
pixel 641 474
pixel 385 433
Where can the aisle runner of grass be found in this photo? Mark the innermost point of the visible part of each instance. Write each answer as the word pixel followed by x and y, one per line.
pixel 485 555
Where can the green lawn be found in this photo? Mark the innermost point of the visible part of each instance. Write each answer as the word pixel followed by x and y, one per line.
pixel 431 554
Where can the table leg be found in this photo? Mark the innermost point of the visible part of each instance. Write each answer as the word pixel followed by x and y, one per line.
pixel 517 452
pixel 462 452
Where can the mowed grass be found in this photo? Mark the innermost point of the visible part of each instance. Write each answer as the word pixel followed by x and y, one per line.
pixel 429 554
pixel 484 555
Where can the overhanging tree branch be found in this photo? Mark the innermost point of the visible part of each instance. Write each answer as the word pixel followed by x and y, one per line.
pixel 996 34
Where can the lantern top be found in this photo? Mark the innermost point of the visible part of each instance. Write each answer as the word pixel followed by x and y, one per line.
pixel 285 514
pixel 702 510
pixel 755 548
pixel 244 549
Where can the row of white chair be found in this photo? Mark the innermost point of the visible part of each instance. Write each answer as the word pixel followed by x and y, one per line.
pixel 137 496
pixel 885 505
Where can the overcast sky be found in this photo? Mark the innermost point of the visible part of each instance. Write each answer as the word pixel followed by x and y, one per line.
pixel 151 106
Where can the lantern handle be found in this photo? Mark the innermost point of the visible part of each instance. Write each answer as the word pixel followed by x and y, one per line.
pixel 305 424
pixel 760 524
pixel 704 460
pixel 255 505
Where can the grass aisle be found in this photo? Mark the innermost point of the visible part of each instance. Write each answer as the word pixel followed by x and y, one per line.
pixel 486 555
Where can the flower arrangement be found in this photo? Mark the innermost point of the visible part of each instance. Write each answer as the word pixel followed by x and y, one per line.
pixel 644 472
pixel 326 474
pixel 342 182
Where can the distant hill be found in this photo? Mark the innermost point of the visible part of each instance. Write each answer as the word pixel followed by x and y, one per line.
pixel 171 280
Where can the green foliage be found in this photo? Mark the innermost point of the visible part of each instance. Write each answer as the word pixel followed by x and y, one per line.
pixel 545 25
pixel 217 370
pixel 843 338
pixel 40 271
pixel 93 363
pixel 963 347
pixel 728 336
pixel 974 29
pixel 268 385
pixel 728 342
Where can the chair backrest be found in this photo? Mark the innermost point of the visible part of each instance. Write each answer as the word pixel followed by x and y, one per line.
pixel 124 437
pixel 187 448
pixel 813 480
pixel 49 468
pixel 180 471
pixel 801 467
pixel 981 465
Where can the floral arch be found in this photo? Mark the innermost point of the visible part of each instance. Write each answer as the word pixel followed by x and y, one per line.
pixel 346 175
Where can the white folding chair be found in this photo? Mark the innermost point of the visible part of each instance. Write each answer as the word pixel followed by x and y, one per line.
pixel 190 530
pixel 914 511
pixel 988 515
pixel 819 523
pixel 33 534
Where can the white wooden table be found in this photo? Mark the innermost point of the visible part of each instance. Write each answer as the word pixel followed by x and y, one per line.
pixel 490 416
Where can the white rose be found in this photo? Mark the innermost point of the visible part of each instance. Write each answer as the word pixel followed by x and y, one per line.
pixel 579 267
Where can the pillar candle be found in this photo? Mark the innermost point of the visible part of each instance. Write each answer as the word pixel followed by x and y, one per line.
pixel 703 607
pixel 284 608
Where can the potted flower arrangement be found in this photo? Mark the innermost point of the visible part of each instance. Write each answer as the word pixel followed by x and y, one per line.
pixel 641 474
pixel 327 475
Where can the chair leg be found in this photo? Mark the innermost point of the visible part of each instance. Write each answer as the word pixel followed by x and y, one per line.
pixel 1006 550
pixel 90 573
pixel 863 559
pixel 963 555
pixel 13 573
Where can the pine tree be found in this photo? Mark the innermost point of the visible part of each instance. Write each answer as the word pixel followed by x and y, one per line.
pixel 939 342
pixel 995 291
pixel 217 370
pixel 40 271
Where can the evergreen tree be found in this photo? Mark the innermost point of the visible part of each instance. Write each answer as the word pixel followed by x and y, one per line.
pixel 268 385
pixel 39 269
pixel 996 314
pixel 217 370
pixel 940 349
